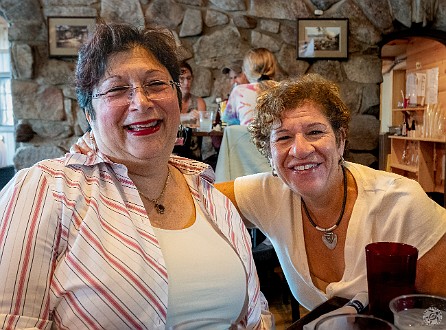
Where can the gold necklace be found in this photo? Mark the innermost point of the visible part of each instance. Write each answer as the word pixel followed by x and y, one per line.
pixel 159 208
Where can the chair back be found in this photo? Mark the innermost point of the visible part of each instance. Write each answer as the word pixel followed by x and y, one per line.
pixel 238 155
pixel 6 174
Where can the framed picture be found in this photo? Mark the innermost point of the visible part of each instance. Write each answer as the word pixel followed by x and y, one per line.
pixel 322 38
pixel 66 34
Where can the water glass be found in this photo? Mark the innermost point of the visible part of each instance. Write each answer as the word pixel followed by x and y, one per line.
pixel 391 271
pixel 418 312
pixel 206 120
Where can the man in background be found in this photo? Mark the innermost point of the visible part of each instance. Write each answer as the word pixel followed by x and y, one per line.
pixel 235 73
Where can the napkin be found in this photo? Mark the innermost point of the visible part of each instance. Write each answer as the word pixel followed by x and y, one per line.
pixel 354 306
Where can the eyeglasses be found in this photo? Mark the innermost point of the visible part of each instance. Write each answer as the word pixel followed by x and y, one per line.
pixel 118 96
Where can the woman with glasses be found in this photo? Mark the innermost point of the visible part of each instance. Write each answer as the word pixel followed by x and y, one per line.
pixel 126 236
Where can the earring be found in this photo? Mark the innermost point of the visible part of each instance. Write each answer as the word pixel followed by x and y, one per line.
pixel 93 143
pixel 273 169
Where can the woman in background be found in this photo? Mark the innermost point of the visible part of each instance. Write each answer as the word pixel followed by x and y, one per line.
pixel 190 103
pixel 258 65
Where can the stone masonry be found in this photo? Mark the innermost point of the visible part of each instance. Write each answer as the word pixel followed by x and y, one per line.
pixel 211 33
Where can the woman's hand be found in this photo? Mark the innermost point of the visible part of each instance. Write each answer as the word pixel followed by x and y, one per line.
pixel 84 145
pixel 190 119
pixel 192 116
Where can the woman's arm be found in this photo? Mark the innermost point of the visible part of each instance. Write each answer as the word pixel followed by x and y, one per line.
pixel 191 118
pixel 227 188
pixel 431 270
pixel 29 235
pixel 201 105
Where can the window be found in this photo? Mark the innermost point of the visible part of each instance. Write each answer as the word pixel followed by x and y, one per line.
pixel 6 113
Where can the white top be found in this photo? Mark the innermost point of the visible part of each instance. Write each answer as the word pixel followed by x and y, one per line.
pixel 389 207
pixel 200 252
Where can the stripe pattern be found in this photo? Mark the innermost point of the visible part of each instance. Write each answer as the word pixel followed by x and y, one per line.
pixel 77 250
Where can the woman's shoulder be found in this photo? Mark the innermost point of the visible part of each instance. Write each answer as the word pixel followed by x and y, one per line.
pixel 263 182
pixel 371 178
pixel 196 102
pixel 389 186
pixel 246 87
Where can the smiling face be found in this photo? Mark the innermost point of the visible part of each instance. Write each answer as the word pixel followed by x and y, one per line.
pixel 144 129
pixel 304 151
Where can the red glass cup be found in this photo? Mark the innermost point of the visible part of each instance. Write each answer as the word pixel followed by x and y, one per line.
pixel 406 102
pixel 391 272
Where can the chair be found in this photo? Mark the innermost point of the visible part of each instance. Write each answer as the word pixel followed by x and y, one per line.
pixel 238 155
pixel 6 174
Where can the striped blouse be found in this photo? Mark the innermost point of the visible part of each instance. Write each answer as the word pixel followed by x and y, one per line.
pixel 77 250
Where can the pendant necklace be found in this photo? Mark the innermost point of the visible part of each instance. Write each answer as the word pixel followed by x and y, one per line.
pixel 159 208
pixel 329 238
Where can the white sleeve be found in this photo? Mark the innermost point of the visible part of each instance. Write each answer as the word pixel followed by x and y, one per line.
pixel 261 197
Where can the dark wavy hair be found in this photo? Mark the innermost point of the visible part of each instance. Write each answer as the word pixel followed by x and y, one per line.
pixel 108 39
pixel 185 65
pixel 291 93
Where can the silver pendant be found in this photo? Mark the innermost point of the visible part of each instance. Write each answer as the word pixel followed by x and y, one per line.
pixel 330 239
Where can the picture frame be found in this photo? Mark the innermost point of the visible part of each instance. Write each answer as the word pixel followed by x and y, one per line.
pixel 66 34
pixel 322 38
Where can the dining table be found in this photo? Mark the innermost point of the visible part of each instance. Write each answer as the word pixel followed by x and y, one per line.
pixel 324 308
pixel 196 132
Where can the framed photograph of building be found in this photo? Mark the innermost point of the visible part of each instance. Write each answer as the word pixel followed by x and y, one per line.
pixel 322 38
pixel 66 34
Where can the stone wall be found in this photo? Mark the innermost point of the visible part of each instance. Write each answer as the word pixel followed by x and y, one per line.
pixel 211 32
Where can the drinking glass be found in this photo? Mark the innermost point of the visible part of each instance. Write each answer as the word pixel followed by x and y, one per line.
pixel 206 120
pixel 418 312
pixel 391 271
pixel 353 322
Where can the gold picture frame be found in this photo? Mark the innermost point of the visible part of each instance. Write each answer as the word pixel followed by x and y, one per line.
pixel 322 38
pixel 66 34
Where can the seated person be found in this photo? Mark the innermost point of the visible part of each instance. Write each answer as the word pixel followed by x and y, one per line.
pixel 190 107
pixel 127 236
pixel 320 211
pixel 258 65
pixel 235 73
pixel 190 103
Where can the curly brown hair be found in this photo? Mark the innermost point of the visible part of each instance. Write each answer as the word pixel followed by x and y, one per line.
pixel 292 93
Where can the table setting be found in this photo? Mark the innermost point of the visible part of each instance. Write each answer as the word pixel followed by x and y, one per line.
pixel 391 301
